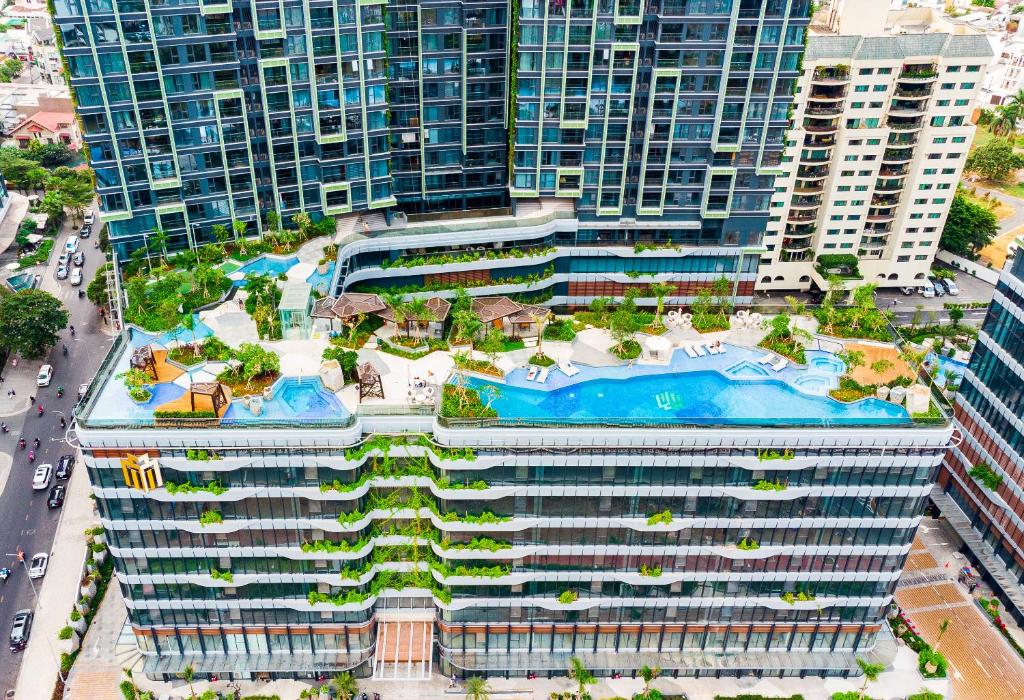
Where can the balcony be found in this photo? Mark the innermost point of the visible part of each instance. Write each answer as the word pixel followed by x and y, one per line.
pixel 897 140
pixel 880 217
pixel 900 123
pixel 796 244
pixel 812 172
pixel 919 73
pixel 892 171
pixel 827 93
pixel 885 186
pixel 798 217
pixel 898 155
pixel 908 108
pixel 884 201
pixel 823 111
pixel 809 187
pixel 821 126
pixel 874 242
pixel 796 255
pixel 913 93
pixel 831 75
pixel 820 141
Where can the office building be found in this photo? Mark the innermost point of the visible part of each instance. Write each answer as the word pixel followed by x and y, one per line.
pixel 882 129
pixel 654 129
pixel 981 486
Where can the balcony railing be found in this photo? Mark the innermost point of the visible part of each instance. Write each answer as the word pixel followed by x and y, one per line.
pixel 831 74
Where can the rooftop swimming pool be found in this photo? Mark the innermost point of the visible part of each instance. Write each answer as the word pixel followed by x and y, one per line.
pixel 950 370
pixel 294 398
pixel 265 265
pixel 702 397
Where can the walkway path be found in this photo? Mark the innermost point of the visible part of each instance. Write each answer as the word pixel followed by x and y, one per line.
pixel 982 664
pixel 1009 228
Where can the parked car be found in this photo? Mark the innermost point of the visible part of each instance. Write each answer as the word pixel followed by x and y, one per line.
pixel 954 291
pixel 89 219
pixel 927 290
pixel 20 630
pixel 85 232
pixel 37 567
pixel 940 291
pixel 65 466
pixel 76 277
pixel 72 244
pixel 82 388
pixel 907 291
pixel 56 498
pixel 62 272
pixel 41 477
pixel 64 260
pixel 44 376
pixel 79 259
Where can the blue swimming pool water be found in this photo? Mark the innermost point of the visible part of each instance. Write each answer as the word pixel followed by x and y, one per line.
pixel 824 362
pixel 320 282
pixel 26 280
pixel 266 265
pixel 294 397
pixel 181 335
pixel 948 367
pixel 814 383
pixel 697 397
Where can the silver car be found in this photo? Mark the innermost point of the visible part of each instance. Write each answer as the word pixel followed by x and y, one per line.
pixel 62 272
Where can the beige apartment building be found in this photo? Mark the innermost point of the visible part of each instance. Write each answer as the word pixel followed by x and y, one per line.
pixel 881 131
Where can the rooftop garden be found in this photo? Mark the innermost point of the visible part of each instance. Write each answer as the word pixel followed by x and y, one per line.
pixel 842 265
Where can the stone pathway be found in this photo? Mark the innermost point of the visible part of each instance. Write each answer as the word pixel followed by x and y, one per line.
pixel 982 664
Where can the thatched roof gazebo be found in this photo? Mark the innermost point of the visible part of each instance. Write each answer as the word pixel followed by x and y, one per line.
pixel 352 304
pixel 491 309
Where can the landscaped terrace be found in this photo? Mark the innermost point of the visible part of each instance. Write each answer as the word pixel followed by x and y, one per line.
pixel 492 361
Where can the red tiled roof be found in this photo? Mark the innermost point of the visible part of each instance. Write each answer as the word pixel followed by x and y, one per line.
pixel 51 121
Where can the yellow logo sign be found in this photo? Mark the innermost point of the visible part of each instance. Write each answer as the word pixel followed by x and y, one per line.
pixel 141 472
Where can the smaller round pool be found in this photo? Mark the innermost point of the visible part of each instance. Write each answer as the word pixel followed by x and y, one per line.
pixel 826 362
pixel 305 398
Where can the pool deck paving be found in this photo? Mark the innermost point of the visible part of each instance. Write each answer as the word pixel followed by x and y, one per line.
pixel 982 664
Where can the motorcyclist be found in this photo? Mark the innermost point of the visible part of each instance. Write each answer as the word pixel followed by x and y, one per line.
pixel 31 455
pixel 60 392
pixel 35 441
pixel 65 350
pixel 5 574
pixel 21 443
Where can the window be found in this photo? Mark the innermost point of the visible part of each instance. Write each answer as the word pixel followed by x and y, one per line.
pixel 920 201
pixel 939 200
pixel 947 86
pixel 885 71
pixel 916 216
pixel 930 171
pixel 903 258
pixel 847 173
pixel 875 105
pixel 961 103
pixel 920 257
pixel 846 245
pixel 856 105
pixel 966 86
pixel 939 139
pixel 942 103
pixel 972 69
pixel 959 139
pixel 860 88
pixel 865 71
pixel 843 188
pixel 880 88
pixel 938 121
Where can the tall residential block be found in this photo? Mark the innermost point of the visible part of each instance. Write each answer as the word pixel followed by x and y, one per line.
pixel 760 532
pixel 632 142
pixel 981 486
pixel 881 133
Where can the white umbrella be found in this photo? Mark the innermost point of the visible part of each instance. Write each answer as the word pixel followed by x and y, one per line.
pixel 12 266
pixel 657 344
pixel 300 271
pixel 189 378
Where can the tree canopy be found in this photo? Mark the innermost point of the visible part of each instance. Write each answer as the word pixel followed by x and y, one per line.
pixel 30 321
pixel 969 227
pixel 994 160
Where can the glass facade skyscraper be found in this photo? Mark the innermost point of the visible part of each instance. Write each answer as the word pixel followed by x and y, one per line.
pixel 982 485
pixel 653 127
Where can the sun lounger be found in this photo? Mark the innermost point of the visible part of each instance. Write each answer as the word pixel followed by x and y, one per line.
pixel 532 373
pixel 568 369
pixel 714 350
pixel 691 352
pixel 543 376
pixel 700 350
pixel 766 359
pixel 721 349
pixel 778 366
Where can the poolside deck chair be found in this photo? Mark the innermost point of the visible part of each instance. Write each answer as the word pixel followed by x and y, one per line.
pixel 543 375
pixel 532 373
pixel 721 349
pixel 691 352
pixel 700 350
pixel 780 365
pixel 568 369
pixel 714 350
pixel 766 359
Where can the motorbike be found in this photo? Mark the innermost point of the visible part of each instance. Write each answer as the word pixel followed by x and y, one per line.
pixel 65 351
pixel 35 441
pixel 81 293
pixel 60 392
pixel 31 455
pixel 5 574
pixel 21 443
pixel 39 410
pixel 3 427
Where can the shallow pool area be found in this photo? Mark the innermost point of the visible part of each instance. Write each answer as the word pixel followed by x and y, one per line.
pixel 814 383
pixel 746 368
pixel 321 283
pixel 180 334
pixel 950 370
pixel 19 283
pixel 701 397
pixel 293 397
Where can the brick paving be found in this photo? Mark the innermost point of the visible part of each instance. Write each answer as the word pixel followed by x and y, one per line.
pixel 982 664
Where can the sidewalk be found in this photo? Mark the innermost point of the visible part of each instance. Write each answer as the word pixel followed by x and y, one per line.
pixel 58 592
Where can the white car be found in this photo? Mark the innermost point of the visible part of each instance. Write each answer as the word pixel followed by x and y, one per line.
pixel 41 477
pixel 76 277
pixel 90 217
pixel 951 287
pixel 44 376
pixel 37 567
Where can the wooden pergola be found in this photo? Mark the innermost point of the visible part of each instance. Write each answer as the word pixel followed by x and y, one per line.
pixel 214 390
pixel 370 384
pixel 144 359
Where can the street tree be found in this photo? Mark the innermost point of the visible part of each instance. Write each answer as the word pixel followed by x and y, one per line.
pixel 994 160
pixel 30 321
pixel 969 227
pixel 956 314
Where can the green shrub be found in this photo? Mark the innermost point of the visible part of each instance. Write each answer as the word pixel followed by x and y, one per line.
pixel 65 632
pixel 929 655
pixel 662 518
pixel 568 597
pixel 211 517
pixel 541 360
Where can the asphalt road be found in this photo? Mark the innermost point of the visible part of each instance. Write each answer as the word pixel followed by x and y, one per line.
pixel 25 521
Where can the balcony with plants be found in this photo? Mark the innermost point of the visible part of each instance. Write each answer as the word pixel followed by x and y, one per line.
pixel 918 73
pixel 831 75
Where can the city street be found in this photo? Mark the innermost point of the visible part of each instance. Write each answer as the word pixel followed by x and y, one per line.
pixel 28 523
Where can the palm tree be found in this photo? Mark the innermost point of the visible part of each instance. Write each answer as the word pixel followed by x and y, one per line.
pixel 660 290
pixel 159 240
pixel 345 685
pixel 540 320
pixel 418 311
pixel 797 307
pixel 649 674
pixel 396 302
pixel 943 626
pixel 1004 121
pixel 579 673
pixel 188 674
pixel 871 672
pixel 477 688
